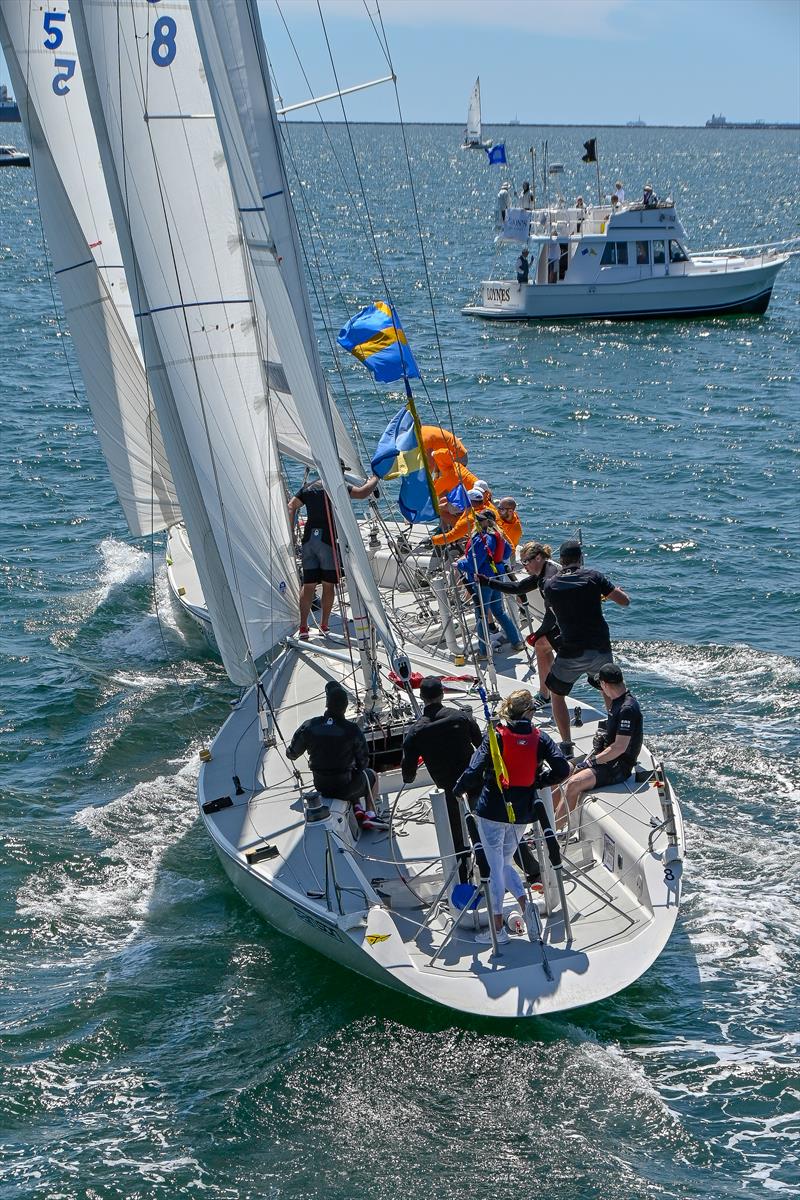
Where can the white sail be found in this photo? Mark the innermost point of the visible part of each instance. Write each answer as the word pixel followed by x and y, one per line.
pixel 474 113
pixel 181 244
pixel 229 33
pixel 84 249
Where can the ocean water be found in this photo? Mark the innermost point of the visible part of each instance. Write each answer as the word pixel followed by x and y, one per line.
pixel 158 1039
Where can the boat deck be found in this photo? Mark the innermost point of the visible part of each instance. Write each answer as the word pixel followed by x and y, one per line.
pixel 380 900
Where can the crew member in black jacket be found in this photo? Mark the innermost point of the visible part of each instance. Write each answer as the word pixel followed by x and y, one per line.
pixel 444 738
pixel 338 755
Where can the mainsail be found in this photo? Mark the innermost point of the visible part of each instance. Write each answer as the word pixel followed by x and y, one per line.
pixel 84 248
pixel 474 113
pixel 235 60
pixel 181 244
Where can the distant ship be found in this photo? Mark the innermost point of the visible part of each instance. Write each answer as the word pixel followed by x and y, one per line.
pixel 717 121
pixel 637 124
pixel 9 110
pixel 514 121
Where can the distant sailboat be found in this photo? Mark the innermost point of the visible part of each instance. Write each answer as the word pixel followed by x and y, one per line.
pixel 472 133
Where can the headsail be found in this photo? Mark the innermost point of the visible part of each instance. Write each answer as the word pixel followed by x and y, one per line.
pixel 235 59
pixel 474 113
pixel 181 244
pixel 83 246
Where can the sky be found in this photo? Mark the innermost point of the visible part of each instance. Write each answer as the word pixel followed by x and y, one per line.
pixel 586 62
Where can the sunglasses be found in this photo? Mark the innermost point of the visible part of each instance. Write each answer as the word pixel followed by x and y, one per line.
pixel 533 558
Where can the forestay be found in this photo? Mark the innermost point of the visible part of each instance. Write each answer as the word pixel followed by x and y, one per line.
pixel 181 245
pixel 39 48
pixel 235 59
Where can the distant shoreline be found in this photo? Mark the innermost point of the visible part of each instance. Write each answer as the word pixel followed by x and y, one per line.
pixel 490 125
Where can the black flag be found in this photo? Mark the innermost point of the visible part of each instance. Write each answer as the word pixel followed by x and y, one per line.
pixel 591 150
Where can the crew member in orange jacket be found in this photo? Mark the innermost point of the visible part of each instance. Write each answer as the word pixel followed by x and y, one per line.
pixel 508 521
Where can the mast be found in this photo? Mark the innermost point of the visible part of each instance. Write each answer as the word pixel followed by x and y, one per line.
pixel 235 60
pixel 181 244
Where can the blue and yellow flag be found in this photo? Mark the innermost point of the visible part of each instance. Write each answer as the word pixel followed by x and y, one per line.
pixel 399 456
pixel 376 336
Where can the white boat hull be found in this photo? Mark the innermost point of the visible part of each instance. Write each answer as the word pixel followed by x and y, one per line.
pixel 366 922
pixel 698 294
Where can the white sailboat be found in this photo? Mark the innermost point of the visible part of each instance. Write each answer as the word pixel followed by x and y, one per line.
pixel 196 251
pixel 472 133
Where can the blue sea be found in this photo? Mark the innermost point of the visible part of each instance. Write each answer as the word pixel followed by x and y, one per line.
pixel 159 1040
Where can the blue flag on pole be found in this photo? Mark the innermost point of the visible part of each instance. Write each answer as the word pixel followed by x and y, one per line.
pixel 458 497
pixel 376 336
pixel 398 456
pixel 497 154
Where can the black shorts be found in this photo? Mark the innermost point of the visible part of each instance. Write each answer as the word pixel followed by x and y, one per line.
pixel 319 561
pixel 607 774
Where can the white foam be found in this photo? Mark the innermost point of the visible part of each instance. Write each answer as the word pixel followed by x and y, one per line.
pixel 122 564
pixel 135 831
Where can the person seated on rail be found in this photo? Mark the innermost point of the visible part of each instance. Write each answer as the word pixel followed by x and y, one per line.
pixel 338 756
pixel 616 749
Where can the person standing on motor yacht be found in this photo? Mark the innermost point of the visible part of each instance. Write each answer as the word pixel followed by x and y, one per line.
pixel 502 205
pixel 575 595
pixel 523 267
pixel 649 198
pixel 525 198
pixel 444 738
pixel 504 814
pixel 619 192
pixel 553 258
pixel 338 755
pixel 616 750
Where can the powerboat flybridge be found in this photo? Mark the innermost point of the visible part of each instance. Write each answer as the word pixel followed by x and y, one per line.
pixel 630 261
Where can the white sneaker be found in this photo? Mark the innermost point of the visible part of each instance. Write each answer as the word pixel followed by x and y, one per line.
pixel 501 935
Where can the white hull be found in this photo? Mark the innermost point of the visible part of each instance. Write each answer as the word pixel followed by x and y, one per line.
pixel 700 293
pixel 364 899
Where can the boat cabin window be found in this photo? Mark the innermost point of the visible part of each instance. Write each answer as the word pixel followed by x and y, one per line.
pixel 658 253
pixel 615 255
pixel 677 252
pixel 642 254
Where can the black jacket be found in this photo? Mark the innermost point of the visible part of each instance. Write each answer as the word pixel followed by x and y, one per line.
pixel 444 739
pixel 336 748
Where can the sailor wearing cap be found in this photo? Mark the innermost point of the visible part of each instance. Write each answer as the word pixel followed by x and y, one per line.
pixel 616 750
pixel 575 595
pixel 338 755
pixel 619 192
pixel 649 198
pixel 502 205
